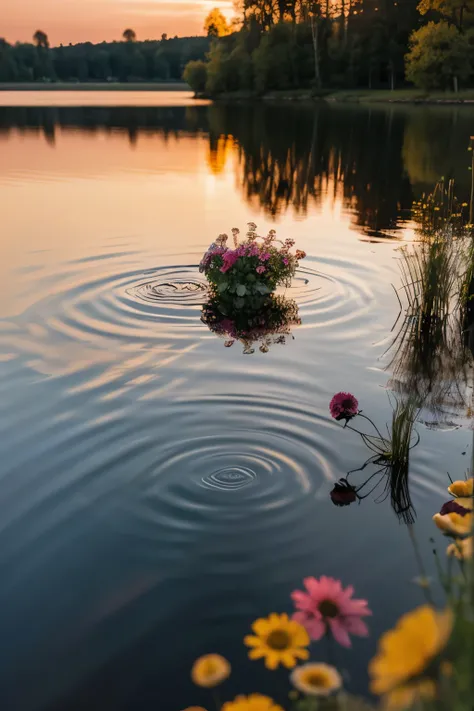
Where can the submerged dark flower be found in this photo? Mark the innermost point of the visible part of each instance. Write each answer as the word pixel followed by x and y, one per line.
pixel 343 406
pixel 343 493
pixel 453 507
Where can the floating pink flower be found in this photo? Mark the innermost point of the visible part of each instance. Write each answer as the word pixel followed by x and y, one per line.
pixel 260 269
pixel 327 606
pixel 229 258
pixel 343 406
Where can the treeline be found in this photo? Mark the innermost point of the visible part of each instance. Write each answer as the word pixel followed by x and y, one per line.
pixel 125 61
pixel 316 44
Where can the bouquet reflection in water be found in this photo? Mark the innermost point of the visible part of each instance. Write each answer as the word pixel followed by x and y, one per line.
pixel 242 280
pixel 269 323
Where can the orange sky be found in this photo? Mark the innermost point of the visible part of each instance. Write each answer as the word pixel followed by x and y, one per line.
pixel 96 20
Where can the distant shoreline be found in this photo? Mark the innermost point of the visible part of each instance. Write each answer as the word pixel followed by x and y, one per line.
pixel 95 86
pixel 356 96
pixel 344 96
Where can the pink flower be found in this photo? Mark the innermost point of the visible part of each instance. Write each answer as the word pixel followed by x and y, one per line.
pixel 230 257
pixel 327 606
pixel 343 406
pixel 285 261
pixel 260 269
pixel 265 257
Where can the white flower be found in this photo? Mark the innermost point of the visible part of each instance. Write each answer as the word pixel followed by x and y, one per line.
pixel 315 679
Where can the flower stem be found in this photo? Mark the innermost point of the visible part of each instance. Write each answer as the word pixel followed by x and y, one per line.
pixel 419 560
pixel 216 698
pixel 360 414
pixel 329 647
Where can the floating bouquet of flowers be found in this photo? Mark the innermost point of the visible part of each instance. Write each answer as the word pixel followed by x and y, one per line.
pixel 252 270
pixel 242 304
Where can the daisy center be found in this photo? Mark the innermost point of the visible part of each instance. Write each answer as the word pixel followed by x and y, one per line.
pixel 328 608
pixel 278 639
pixel 317 680
pixel 210 668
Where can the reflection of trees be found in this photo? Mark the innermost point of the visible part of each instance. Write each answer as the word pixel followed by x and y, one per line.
pixel 293 156
pixel 435 145
pixel 166 121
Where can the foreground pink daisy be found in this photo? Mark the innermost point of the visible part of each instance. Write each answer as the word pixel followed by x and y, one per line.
pixel 343 406
pixel 327 606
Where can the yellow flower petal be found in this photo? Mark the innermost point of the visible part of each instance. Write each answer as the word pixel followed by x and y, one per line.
pixel 253 702
pixel 466 501
pixel 453 524
pixel 462 549
pixel 279 640
pixel 252 641
pixel 261 627
pixel 272 660
pixel 210 670
pixel 288 660
pixel 409 648
pixel 462 488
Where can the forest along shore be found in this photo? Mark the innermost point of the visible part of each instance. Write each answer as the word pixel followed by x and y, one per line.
pixel 374 96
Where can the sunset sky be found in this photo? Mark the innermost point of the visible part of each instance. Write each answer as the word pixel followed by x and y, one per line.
pixel 96 20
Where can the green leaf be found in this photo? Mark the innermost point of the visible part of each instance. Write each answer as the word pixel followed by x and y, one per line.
pixel 241 290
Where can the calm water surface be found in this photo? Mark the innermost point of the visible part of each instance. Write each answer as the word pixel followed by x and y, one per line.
pixel 159 491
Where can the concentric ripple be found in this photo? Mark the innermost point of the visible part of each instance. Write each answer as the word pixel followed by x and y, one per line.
pixel 175 291
pixel 337 293
pixel 230 478
pixel 93 302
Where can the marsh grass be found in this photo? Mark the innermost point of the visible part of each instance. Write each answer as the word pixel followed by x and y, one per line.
pixel 440 210
pixel 391 454
pixel 428 355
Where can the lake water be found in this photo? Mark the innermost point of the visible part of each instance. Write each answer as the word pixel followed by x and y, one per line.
pixel 158 491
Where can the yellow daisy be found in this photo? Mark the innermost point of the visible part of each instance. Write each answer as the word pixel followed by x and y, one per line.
pixel 405 652
pixel 462 548
pixel 254 702
pixel 279 640
pixel 315 679
pixel 462 488
pixel 210 670
pixel 454 524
